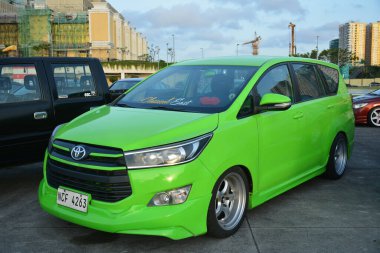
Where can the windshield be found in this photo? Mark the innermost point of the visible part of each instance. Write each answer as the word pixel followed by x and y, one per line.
pixel 124 85
pixel 205 89
pixel 375 92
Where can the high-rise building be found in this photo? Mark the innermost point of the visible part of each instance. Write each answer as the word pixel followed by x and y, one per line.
pixel 373 44
pixel 352 36
pixel 334 44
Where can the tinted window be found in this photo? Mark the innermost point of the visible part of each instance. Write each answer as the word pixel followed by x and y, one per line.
pixel 19 83
pixel 331 77
pixel 123 85
pixel 190 88
pixel 73 80
pixel 308 82
pixel 276 80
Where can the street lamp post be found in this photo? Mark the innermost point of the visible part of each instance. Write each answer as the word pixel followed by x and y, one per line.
pixel 173 52
pixel 237 49
pixel 317 47
pixel 158 56
pixel 167 53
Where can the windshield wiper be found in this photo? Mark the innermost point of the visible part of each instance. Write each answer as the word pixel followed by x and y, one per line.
pixel 124 105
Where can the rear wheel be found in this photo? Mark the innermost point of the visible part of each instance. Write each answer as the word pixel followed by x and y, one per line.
pixel 338 158
pixel 374 117
pixel 228 203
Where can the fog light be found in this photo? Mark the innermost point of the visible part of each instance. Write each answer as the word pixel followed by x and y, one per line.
pixel 172 197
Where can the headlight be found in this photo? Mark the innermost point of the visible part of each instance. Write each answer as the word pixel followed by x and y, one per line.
pixel 177 153
pixel 357 106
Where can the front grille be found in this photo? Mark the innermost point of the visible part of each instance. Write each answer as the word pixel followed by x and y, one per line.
pixel 108 186
pixel 98 155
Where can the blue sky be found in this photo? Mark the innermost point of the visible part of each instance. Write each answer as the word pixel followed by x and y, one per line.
pixel 218 25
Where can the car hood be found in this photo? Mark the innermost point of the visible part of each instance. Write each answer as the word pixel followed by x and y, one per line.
pixel 366 99
pixel 132 128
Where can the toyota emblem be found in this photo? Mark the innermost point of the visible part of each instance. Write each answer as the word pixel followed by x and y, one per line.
pixel 78 152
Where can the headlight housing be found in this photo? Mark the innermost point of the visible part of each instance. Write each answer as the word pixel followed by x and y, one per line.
pixel 167 155
pixel 52 136
pixel 360 105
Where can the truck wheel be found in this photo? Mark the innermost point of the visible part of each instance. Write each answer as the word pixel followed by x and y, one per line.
pixel 228 203
pixel 337 162
pixel 374 117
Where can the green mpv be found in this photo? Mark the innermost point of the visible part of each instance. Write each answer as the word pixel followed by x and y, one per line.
pixel 191 148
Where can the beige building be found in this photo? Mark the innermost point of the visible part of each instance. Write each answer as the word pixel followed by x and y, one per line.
pixel 373 44
pixel 352 36
pixel 111 36
pixel 68 6
pixel 6 7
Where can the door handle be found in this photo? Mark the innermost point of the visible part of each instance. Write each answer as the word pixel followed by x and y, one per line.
pixel 298 115
pixel 40 115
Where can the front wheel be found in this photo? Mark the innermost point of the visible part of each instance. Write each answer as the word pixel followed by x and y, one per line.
pixel 228 203
pixel 374 117
pixel 338 158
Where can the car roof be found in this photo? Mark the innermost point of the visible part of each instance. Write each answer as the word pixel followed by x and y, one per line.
pixel 250 60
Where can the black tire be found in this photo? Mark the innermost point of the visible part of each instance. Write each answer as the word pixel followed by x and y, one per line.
pixel 215 226
pixel 336 165
pixel 370 121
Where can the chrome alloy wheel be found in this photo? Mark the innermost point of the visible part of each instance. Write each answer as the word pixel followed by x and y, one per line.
pixel 230 201
pixel 340 156
pixel 375 117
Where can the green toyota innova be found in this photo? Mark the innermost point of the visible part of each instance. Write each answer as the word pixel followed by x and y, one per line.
pixel 188 150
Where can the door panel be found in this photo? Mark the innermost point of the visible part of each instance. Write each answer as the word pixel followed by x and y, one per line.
pixel 280 148
pixel 26 114
pixel 75 88
pixel 279 132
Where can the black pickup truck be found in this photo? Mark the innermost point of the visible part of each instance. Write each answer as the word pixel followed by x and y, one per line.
pixel 37 94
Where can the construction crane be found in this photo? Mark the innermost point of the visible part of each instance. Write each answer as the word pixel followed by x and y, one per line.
pixel 292 45
pixel 255 44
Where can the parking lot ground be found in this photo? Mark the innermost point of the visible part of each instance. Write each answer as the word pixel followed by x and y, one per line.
pixel 318 216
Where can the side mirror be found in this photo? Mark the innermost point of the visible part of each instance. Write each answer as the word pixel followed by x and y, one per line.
pixel 274 102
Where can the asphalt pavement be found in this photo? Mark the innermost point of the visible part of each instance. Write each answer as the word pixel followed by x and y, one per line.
pixel 318 216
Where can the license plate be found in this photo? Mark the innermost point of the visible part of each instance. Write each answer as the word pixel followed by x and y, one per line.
pixel 73 200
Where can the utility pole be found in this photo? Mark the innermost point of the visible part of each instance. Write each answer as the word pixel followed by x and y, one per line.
pixel 317 46
pixel 167 53
pixel 237 49
pixel 173 52
pixel 202 52
pixel 158 56
pixel 292 46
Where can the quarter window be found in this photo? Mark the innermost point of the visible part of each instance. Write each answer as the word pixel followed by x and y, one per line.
pixel 19 83
pixel 73 81
pixel 308 83
pixel 331 77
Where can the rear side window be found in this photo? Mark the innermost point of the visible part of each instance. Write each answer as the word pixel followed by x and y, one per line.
pixel 19 83
pixel 308 82
pixel 331 77
pixel 73 81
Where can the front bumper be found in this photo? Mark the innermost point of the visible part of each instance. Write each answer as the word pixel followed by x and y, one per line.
pixel 361 115
pixel 132 216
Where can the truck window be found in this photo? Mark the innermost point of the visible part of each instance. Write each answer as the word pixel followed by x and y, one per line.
pixel 73 81
pixel 19 83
